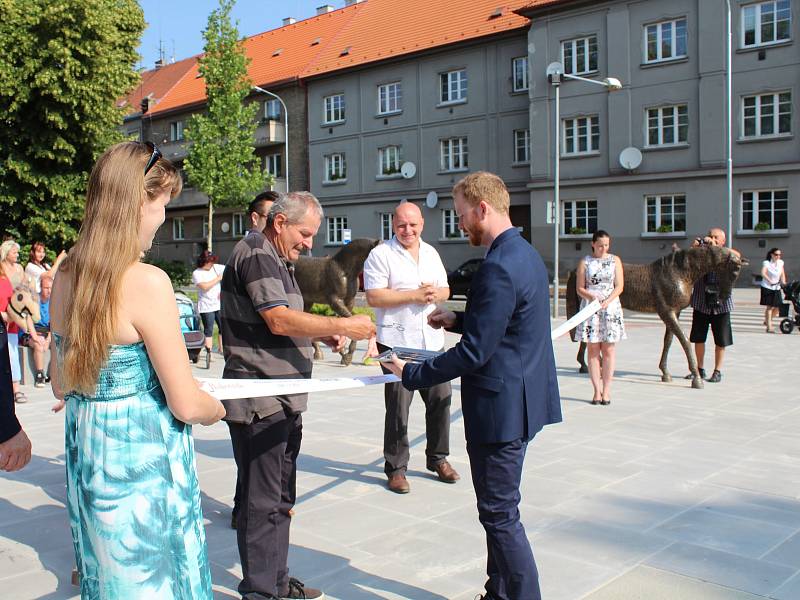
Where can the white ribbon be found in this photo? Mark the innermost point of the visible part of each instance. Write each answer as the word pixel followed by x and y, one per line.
pixel 579 318
pixel 232 389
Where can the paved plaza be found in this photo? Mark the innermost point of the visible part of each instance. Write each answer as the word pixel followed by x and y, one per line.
pixel 669 492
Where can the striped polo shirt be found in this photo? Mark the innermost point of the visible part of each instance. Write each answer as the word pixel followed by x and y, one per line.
pixel 257 278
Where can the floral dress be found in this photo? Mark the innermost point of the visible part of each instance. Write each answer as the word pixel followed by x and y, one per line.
pixel 132 490
pixel 606 325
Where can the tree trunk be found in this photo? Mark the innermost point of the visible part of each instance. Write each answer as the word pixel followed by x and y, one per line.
pixel 210 237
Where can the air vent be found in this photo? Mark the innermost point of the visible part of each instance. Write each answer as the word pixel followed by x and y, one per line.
pixel 316 41
pixel 277 52
pixel 345 52
pixel 498 12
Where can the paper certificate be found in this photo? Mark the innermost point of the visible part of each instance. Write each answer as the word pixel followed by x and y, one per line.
pixel 232 389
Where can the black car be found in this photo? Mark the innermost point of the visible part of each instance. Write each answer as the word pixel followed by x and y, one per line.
pixel 460 279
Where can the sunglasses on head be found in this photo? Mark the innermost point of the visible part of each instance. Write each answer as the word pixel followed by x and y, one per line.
pixel 156 154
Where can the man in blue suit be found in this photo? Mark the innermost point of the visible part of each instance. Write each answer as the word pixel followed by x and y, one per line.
pixel 509 389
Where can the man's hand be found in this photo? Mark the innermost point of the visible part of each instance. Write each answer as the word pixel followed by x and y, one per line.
pixel 359 327
pixel 335 342
pixel 441 318
pixel 15 453
pixel 425 294
pixel 396 366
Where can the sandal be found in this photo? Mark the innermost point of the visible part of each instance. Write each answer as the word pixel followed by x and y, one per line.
pixel 20 397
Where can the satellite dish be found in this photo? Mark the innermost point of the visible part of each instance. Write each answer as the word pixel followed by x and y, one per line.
pixel 408 170
pixel 630 158
pixel 225 227
pixel 432 199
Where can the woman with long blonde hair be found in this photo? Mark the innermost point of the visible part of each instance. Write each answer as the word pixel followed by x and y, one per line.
pixel 124 375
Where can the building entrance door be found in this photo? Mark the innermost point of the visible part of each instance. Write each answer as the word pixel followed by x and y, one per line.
pixel 521 217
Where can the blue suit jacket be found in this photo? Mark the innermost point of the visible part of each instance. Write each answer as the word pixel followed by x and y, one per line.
pixel 509 388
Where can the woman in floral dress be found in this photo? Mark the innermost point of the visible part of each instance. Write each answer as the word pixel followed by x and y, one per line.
pixel 600 277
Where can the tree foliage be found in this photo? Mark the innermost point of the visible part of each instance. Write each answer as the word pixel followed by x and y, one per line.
pixel 63 64
pixel 222 161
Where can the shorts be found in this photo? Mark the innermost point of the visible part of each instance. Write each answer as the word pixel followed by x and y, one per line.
pixel 720 327
pixel 209 319
pixel 771 297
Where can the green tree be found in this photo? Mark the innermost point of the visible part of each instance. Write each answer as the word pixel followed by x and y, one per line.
pixel 63 64
pixel 221 161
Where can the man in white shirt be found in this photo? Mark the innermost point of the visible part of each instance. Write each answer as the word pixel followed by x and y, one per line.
pixel 404 278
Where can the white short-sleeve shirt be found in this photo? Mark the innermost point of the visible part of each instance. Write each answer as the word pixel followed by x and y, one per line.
pixel 208 301
pixel 391 266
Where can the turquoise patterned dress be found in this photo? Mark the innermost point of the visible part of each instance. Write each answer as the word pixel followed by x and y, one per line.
pixel 132 489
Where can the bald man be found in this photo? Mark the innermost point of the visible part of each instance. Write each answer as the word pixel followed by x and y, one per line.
pixel 404 280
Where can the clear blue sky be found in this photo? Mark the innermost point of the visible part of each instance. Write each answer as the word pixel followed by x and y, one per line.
pixel 179 24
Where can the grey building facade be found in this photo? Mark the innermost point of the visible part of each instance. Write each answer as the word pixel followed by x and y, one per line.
pixel 671 59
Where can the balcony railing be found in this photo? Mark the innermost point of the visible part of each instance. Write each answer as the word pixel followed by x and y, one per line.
pixel 269 132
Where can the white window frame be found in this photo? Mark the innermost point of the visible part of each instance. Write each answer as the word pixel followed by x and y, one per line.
pixel 453 86
pixel 678 114
pixel 588 206
pixel 522 142
pixel 272 110
pixel 334 227
pixel 450 229
pixel 239 225
pixel 273 164
pixel 519 74
pixel 658 202
pixel 385 220
pixel 659 29
pixel 333 109
pixel 756 200
pixel 335 168
pixel 454 154
pixel 758 116
pixel 178 228
pixel 390 98
pixel 176 131
pixel 755 12
pixel 389 160
pixel 592 129
pixel 572 65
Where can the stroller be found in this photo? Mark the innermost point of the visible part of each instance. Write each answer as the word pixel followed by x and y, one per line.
pixel 192 332
pixel 791 292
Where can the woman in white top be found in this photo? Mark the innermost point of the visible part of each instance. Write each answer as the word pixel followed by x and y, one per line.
pixel 772 276
pixel 37 267
pixel 207 277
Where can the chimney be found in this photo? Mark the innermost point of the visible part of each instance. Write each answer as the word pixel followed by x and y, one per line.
pixel 325 8
pixel 145 104
pixel 351 2
pixel 289 21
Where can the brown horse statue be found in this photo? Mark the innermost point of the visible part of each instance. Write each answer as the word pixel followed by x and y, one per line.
pixel 334 281
pixel 665 287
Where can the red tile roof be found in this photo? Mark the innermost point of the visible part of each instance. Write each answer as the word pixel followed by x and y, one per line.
pixel 156 84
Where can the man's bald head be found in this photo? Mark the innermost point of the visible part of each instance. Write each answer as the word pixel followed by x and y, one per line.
pixel 717 235
pixel 407 224
pixel 407 209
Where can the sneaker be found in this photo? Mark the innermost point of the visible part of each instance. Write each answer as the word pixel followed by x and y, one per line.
pixel 702 374
pixel 716 377
pixel 39 381
pixel 298 591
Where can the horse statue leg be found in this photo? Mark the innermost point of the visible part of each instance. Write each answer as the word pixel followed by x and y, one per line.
pixel 581 358
pixel 318 355
pixel 673 328
pixel 341 309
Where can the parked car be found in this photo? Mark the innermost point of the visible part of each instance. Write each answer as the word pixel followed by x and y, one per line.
pixel 461 278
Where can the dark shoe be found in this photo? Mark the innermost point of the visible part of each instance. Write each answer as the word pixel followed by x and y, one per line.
pixel 596 402
pixel 605 402
pixel 716 377
pixel 298 591
pixel 445 472
pixel 39 381
pixel 702 374
pixel 399 484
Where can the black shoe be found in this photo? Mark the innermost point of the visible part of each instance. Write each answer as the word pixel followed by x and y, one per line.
pixel 716 377
pixel 298 591
pixel 702 374
pixel 39 381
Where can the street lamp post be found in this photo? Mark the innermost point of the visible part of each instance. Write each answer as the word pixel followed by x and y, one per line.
pixel 555 73
pixel 285 127
pixel 729 140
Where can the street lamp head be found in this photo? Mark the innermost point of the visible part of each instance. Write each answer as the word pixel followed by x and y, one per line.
pixel 612 83
pixel 554 72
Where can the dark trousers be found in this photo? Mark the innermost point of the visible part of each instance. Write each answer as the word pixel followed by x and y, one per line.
pixel 266 459
pixel 395 430
pixel 496 473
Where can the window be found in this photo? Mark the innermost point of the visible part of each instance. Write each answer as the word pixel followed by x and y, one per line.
pixel 453 86
pixel 765 210
pixel 579 56
pixel 386 226
pixel 176 131
pixel 273 165
pixel 665 41
pixel 766 23
pixel 336 227
pixel 335 168
pixel 205 228
pixel 519 74
pixel 579 217
pixel 522 143
pixel 665 214
pixel 581 135
pixel 450 228
pixel 334 109
pixel 239 225
pixel 272 110
pixel 453 154
pixel 389 160
pixel 177 228
pixel 668 125
pixel 766 115
pixel 390 98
